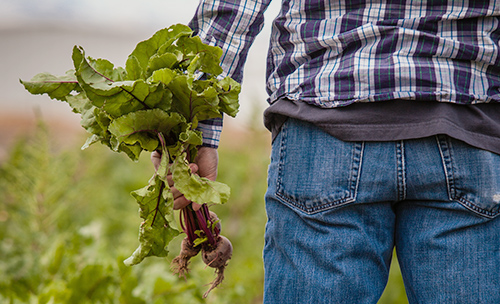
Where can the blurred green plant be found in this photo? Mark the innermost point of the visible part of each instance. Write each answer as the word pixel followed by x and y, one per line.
pixel 67 221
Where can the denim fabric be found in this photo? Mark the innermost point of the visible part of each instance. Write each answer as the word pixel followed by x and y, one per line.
pixel 336 210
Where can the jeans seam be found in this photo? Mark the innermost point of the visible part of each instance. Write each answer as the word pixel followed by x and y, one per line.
pixel 357 160
pixel 401 170
pixel 445 152
pixel 281 155
pixel 469 205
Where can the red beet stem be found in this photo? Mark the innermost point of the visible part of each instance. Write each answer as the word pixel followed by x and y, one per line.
pixel 202 222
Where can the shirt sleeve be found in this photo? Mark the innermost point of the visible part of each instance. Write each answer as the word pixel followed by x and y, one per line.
pixel 232 26
pixel 211 130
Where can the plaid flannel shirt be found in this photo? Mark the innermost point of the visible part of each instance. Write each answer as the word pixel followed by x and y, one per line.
pixel 334 53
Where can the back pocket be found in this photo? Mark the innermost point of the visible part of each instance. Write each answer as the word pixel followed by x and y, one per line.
pixel 473 177
pixel 316 171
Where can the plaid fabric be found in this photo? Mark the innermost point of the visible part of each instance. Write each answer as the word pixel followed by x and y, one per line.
pixel 211 130
pixel 334 53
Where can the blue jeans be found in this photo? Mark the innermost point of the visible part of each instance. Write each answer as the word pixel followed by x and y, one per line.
pixel 336 210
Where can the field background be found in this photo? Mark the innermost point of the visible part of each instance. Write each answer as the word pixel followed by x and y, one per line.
pixel 67 220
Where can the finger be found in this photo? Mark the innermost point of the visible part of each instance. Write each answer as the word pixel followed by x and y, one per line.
pixel 176 193
pixel 181 202
pixel 195 206
pixel 194 167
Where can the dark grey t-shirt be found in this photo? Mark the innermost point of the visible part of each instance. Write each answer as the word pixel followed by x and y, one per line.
pixel 477 125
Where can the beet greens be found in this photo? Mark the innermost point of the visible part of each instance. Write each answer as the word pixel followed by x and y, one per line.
pixel 170 82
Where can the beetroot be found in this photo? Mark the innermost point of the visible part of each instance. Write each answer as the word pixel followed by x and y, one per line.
pixel 217 257
pixel 181 262
pixel 202 228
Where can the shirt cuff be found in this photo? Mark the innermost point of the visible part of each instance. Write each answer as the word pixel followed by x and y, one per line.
pixel 211 130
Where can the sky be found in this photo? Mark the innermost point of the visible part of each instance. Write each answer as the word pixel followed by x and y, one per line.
pixel 148 13
pixel 38 35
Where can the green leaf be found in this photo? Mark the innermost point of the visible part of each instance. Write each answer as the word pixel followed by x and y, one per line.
pixel 79 103
pixel 191 137
pixel 167 60
pixel 194 105
pixel 108 70
pixel 134 69
pixel 143 127
pixel 195 188
pixel 156 231
pixel 116 98
pixel 132 151
pixel 93 119
pixel 200 239
pixel 139 60
pixel 163 75
pixel 199 56
pixel 228 96
pixel 56 87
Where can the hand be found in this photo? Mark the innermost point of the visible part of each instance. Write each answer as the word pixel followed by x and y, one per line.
pixel 205 165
